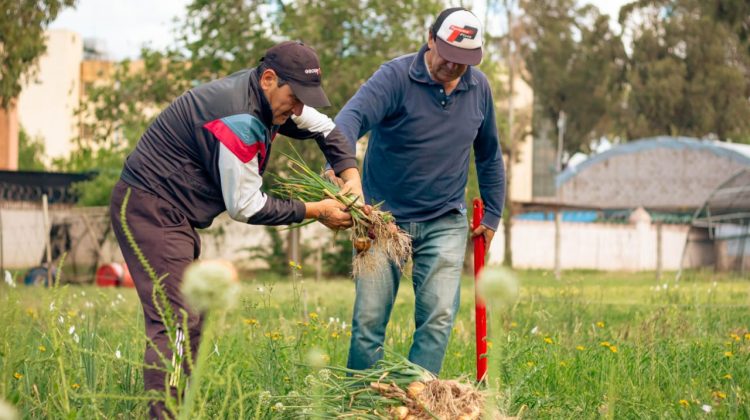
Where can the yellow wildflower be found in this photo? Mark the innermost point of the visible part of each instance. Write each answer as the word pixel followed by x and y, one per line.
pixel 31 312
pixel 335 334
pixel 75 386
pixel 513 324
pixel 292 264
pixel 605 344
pixel 728 376
pixel 728 354
pixel 348 333
pixel 18 375
pixel 747 336
pixel 489 345
pixel 42 349
pixel 250 321
pixel 684 403
pixel 580 348
pixel 529 363
pixel 734 337
pixel 613 349
pixel 600 324
pixel 299 267
pixel 563 364
pixel 72 314
pixel 548 340
pixel 313 315
pixel 719 395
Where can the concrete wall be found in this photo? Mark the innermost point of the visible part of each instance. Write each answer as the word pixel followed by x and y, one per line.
pixel 47 104
pixel 592 245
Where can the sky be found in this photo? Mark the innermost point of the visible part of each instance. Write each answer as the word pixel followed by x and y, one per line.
pixel 126 25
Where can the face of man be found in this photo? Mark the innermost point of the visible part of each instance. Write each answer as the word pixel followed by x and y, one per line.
pixel 442 70
pixel 281 98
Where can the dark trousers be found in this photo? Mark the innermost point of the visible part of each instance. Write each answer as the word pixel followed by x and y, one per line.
pixel 169 243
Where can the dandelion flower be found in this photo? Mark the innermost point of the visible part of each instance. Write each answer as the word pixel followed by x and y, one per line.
pixel 18 375
pixel 251 321
pixel 335 334
pixel 613 349
pixel 684 403
pixel 210 285
pixel 719 395
pixel 75 386
pixel 529 363
pixel 580 348
pixel 747 336
pixel 605 344
pixel 292 264
pixel 548 340
pixel 42 349
pixel 313 315
pixel 513 324
pixel 489 345
pixel 324 374
pixel 734 337
pixel 728 376
pixel 600 324
pixel 728 354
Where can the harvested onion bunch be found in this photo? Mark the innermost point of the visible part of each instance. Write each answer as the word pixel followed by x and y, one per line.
pixel 375 236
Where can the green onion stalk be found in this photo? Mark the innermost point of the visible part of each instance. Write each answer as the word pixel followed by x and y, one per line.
pixel 374 235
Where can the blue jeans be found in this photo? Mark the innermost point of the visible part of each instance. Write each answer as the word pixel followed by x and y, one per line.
pixel 438 248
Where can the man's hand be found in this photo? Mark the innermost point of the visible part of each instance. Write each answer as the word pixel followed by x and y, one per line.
pixel 486 232
pixel 350 184
pixel 330 213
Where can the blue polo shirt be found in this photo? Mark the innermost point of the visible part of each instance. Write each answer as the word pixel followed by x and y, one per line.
pixel 417 158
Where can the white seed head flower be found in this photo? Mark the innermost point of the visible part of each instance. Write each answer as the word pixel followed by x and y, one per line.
pixel 52 306
pixel 707 408
pixel 76 338
pixel 263 397
pixel 72 329
pixel 210 285
pixel 316 357
pixel 7 411
pixel 118 354
pixel 534 330
pixel 498 286
pixel 83 293
pixel 309 380
pixel 278 407
pixel 324 374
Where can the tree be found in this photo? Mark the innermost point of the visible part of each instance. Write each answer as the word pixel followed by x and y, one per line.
pixel 689 73
pixel 30 152
pixel 22 40
pixel 575 65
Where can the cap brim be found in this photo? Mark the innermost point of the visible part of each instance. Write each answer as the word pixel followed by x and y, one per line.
pixel 310 95
pixel 458 55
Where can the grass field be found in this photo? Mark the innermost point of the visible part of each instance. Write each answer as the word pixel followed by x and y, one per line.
pixel 593 345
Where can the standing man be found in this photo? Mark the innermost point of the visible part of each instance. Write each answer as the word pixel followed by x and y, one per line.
pixel 425 112
pixel 205 154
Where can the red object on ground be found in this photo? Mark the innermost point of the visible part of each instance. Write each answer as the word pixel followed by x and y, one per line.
pixel 479 308
pixel 113 275
pixel 127 280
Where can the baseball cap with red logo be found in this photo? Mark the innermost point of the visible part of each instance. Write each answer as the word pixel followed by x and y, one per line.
pixel 299 65
pixel 458 36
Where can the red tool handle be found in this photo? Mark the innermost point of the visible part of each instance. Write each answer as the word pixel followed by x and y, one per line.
pixel 480 309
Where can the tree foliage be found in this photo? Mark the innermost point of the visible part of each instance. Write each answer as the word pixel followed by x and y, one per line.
pixel 22 40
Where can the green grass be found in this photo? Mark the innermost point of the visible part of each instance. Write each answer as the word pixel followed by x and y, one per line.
pixel 549 358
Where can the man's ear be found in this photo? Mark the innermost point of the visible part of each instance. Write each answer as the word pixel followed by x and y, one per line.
pixel 268 79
